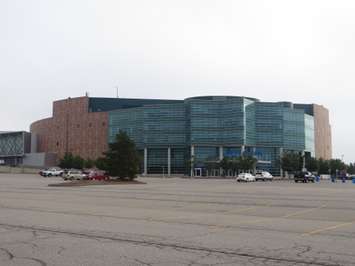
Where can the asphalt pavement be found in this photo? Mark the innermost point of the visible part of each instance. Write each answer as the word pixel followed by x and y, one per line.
pixel 176 221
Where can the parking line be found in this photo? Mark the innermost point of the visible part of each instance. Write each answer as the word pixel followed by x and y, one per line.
pixel 303 212
pixel 329 228
pixel 242 210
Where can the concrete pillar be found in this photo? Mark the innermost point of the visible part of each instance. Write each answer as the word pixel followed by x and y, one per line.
pixel 281 154
pixel 145 161
pixel 192 160
pixel 242 150
pixel 169 161
pixel 220 153
pixel 220 158
pixel 304 161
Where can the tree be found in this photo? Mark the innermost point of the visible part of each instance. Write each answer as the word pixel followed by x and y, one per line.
pixel 336 165
pixel 101 163
pixel 122 159
pixel 89 163
pixel 78 162
pixel 70 161
pixel 351 168
pixel 234 165
pixel 312 164
pixel 247 163
pixel 225 165
pixel 67 161
pixel 291 162
pixel 323 167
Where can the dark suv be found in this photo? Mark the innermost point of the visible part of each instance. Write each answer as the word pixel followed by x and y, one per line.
pixel 304 177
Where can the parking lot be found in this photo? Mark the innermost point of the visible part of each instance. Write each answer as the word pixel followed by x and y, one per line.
pixel 176 222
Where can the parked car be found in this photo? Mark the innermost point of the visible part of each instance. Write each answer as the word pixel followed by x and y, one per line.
pixel 41 172
pixel 51 172
pixel 75 175
pixel 263 176
pixel 304 177
pixel 246 177
pixel 97 175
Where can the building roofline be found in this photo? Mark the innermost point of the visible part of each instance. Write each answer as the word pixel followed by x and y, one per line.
pixel 12 132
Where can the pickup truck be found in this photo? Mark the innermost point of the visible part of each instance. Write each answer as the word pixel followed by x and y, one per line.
pixel 51 172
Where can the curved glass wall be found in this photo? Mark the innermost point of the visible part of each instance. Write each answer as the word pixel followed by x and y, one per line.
pixel 212 127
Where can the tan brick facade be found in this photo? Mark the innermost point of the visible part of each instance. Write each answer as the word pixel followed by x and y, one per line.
pixel 323 132
pixel 73 129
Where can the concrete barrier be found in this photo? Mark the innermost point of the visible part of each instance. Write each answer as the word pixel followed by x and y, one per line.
pixel 18 170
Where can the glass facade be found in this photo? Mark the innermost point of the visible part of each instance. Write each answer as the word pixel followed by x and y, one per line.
pixel 205 129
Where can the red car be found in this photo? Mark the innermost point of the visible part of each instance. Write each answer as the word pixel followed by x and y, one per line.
pixel 98 175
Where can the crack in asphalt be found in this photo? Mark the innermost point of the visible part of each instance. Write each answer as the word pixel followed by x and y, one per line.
pixel 12 257
pixel 161 244
pixel 242 225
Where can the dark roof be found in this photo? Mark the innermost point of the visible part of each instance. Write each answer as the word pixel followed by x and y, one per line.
pixel 110 104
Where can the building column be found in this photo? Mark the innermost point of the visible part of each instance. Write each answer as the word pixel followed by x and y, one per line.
pixel 220 159
pixel 304 161
pixel 145 162
pixel 169 162
pixel 242 150
pixel 192 160
pixel 281 155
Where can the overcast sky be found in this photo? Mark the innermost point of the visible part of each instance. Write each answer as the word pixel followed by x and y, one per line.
pixel 300 51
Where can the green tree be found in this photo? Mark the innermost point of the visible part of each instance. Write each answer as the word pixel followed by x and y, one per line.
pixel 89 163
pixel 122 159
pixel 101 163
pixel 323 167
pixel 67 161
pixel 70 161
pixel 312 164
pixel 336 165
pixel 78 162
pixel 235 164
pixel 291 162
pixel 247 163
pixel 351 169
pixel 225 165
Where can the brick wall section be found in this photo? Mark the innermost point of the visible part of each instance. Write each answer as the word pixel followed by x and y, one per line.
pixel 323 132
pixel 72 128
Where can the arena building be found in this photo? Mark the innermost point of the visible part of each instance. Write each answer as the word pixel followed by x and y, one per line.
pixel 170 134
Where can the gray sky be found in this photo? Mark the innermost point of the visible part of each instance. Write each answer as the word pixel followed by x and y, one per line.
pixel 300 51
